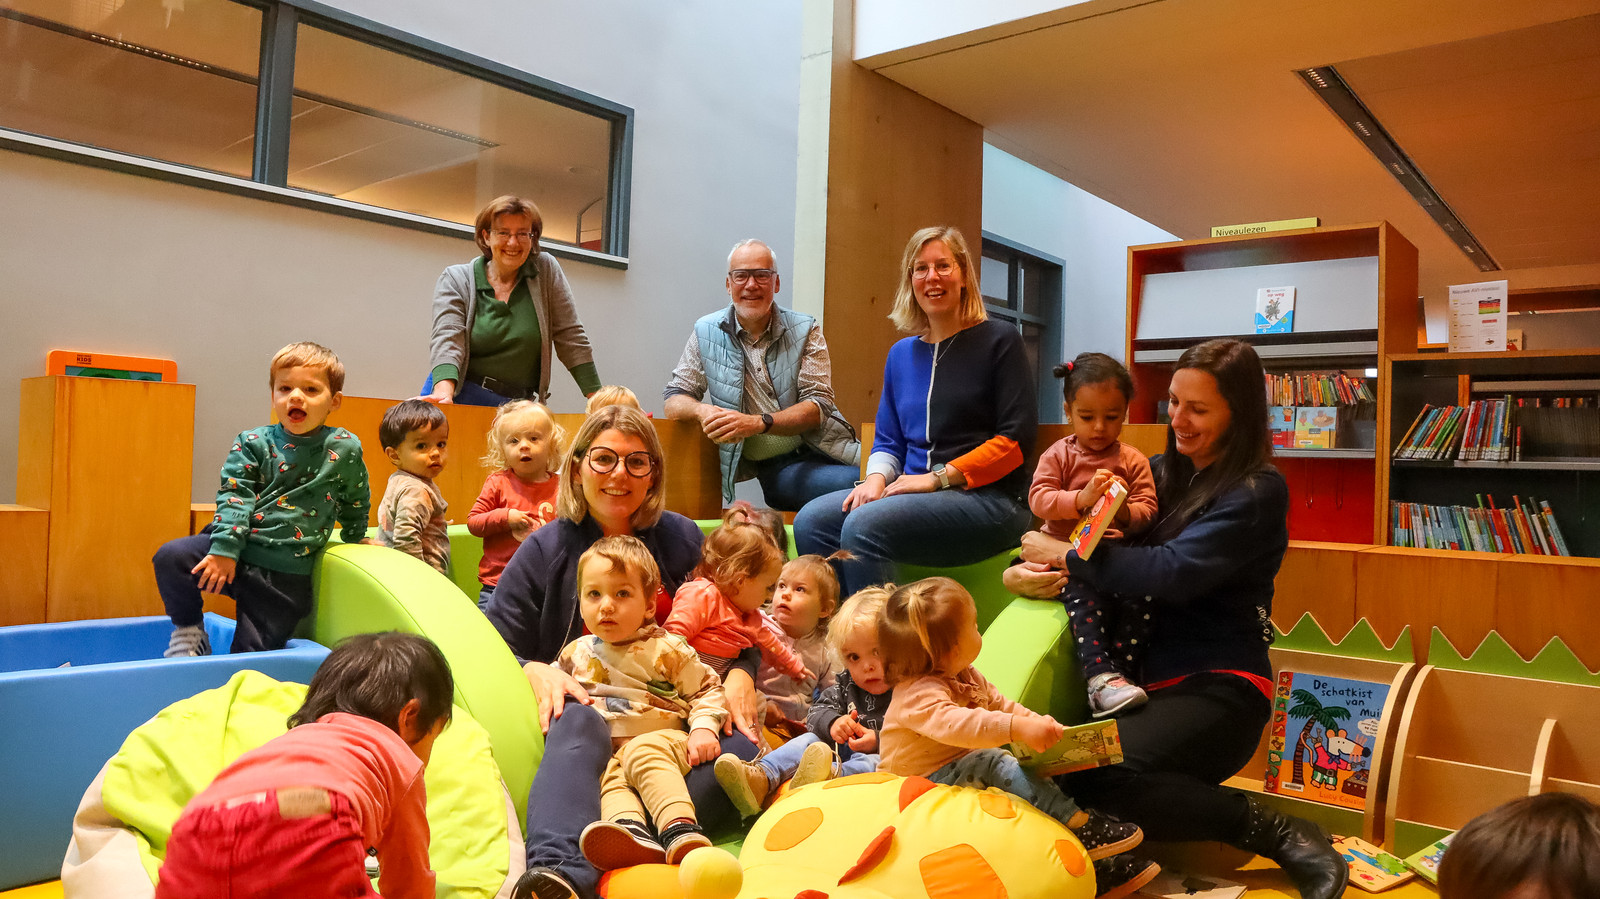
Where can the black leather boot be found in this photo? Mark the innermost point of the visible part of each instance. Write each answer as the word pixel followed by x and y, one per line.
pixel 1301 848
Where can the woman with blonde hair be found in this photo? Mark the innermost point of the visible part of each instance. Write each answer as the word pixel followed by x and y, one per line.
pixel 612 483
pixel 945 484
pixel 497 318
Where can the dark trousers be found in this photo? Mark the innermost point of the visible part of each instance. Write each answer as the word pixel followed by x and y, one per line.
pixel 1177 748
pixel 271 603
pixel 1110 631
pixel 793 479
pixel 565 797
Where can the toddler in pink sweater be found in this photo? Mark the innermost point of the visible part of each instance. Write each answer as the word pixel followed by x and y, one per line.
pixel 1072 476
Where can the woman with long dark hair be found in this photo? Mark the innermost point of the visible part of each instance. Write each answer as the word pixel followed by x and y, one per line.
pixel 1207 567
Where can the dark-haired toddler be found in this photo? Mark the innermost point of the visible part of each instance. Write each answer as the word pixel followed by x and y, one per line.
pixel 1109 632
pixel 416 438
pixel 294 817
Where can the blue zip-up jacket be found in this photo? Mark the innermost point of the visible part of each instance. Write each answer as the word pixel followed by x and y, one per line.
pixel 1210 586
pixel 967 402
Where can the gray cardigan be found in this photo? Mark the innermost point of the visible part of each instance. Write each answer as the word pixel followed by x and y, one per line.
pixel 454 311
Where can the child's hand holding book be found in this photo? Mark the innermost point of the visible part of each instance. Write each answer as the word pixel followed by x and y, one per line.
pixel 1037 732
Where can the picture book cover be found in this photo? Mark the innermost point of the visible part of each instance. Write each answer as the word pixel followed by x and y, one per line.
pixel 1086 536
pixel 1323 732
pixel 1275 310
pixel 1178 885
pixel 1280 419
pixel 1371 868
pixel 1426 860
pixel 1082 746
pixel 1314 426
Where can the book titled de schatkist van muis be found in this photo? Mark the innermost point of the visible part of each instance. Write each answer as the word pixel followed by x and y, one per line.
pixel 1324 731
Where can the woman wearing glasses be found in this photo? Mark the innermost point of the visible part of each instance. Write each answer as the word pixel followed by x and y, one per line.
pixel 496 318
pixel 945 481
pixel 611 484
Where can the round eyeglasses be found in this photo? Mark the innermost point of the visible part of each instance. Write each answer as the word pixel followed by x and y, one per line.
pixel 944 268
pixel 603 460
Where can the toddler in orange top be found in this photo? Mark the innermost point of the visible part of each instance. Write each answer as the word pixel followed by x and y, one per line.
pixel 1108 631
pixel 719 612
pixel 525 446
pixel 948 724
pixel 294 817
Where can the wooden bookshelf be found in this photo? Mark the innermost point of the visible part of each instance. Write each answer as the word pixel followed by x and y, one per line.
pixel 1340 492
pixel 1569 483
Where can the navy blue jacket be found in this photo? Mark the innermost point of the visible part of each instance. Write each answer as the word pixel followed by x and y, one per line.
pixel 535 605
pixel 843 698
pixel 1210 586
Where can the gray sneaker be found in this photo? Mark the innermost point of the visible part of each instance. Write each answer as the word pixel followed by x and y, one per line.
pixel 188 641
pixel 1111 693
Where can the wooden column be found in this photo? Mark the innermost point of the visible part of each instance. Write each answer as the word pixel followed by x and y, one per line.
pixel 110 460
pixel 895 162
pixel 25 534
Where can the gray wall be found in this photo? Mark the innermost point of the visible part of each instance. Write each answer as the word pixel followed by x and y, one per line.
pixel 1035 208
pixel 116 263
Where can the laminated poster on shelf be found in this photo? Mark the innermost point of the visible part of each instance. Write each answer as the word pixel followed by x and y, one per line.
pixel 1478 316
pixel 1275 310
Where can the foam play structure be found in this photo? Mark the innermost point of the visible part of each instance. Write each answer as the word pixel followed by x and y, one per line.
pixel 71 692
pixel 878 836
pixel 122 827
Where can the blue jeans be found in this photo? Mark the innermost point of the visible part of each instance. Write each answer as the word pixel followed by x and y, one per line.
pixel 565 797
pixel 468 393
pixel 483 598
pixel 791 480
pixel 999 768
pixel 944 529
pixel 781 762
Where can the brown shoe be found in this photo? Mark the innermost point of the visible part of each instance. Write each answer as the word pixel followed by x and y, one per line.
pixel 745 783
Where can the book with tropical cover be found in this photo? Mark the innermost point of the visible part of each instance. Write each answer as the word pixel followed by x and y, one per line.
pixel 1371 868
pixel 1081 746
pixel 1324 730
pixel 1089 529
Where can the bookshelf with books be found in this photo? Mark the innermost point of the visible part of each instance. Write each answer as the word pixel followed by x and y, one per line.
pixel 1495 452
pixel 1354 303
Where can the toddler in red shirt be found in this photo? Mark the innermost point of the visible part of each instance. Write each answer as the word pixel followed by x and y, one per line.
pixel 525 448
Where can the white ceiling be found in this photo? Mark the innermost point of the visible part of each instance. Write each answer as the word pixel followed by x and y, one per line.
pixel 1189 114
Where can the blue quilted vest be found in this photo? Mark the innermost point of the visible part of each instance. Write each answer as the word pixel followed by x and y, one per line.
pixel 723 361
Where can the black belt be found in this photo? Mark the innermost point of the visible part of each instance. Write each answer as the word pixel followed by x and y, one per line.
pixel 505 388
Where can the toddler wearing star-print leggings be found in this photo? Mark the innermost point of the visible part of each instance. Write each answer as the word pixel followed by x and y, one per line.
pixel 1073 474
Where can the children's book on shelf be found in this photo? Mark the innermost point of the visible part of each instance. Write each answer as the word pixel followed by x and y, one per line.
pixel 1086 536
pixel 1324 730
pixel 1526 526
pixel 1371 868
pixel 1178 885
pixel 1315 426
pixel 1280 419
pixel 1274 310
pixel 1081 746
pixel 1425 861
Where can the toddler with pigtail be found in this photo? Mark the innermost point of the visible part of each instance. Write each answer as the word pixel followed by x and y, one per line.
pixel 949 724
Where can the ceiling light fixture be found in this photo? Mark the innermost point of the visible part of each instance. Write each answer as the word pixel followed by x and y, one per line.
pixel 1331 88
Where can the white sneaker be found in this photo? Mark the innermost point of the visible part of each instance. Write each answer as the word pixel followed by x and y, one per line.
pixel 188 641
pixel 1111 693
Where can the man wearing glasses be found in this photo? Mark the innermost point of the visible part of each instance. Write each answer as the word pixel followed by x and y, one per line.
pixel 756 376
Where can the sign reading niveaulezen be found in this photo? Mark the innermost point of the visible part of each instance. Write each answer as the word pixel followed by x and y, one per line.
pixel 1263 227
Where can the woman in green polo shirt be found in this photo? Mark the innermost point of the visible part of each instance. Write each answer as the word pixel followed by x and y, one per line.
pixel 496 318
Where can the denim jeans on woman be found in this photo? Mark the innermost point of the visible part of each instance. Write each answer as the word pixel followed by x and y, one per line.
pixel 946 528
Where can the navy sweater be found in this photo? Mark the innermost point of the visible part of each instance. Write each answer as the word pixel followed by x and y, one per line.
pixel 535 605
pixel 843 698
pixel 1211 585
pixel 968 400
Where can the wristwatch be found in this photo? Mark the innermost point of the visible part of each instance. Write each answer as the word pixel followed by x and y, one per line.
pixel 943 473
pixel 766 422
